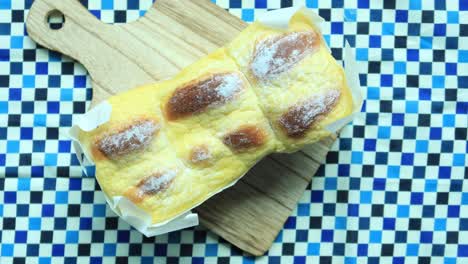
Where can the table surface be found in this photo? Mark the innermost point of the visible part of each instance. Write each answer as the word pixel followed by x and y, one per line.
pixel 394 187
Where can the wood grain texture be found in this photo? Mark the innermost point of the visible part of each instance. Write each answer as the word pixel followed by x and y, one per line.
pixel 172 35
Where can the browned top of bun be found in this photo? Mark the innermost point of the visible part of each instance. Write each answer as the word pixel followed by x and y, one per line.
pixel 130 138
pixel 275 55
pixel 208 91
pixel 245 137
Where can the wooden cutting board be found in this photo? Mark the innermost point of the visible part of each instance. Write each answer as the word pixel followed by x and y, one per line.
pixel 172 35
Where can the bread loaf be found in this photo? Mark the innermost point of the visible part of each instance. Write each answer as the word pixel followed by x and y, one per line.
pixel 171 145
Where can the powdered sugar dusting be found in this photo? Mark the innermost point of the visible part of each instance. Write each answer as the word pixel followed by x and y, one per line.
pixel 278 54
pixel 299 118
pixel 200 154
pixel 155 183
pixel 229 86
pixel 135 137
pixel 198 96
pixel 219 89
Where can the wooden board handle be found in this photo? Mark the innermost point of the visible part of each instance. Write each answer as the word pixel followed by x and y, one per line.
pixel 120 57
pixel 77 18
pixel 101 48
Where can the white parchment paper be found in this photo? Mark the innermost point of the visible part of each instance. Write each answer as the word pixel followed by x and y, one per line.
pixel 101 113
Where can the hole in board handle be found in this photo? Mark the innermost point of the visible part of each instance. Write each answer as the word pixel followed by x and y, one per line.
pixel 55 19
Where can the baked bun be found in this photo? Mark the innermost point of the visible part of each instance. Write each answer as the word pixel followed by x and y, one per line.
pixel 170 146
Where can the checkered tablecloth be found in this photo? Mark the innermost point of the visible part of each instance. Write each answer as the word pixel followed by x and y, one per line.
pixel 394 188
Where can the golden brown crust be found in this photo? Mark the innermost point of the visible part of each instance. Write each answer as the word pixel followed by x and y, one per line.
pixel 300 118
pixel 129 138
pixel 158 182
pixel 200 155
pixel 275 55
pixel 206 91
pixel 245 137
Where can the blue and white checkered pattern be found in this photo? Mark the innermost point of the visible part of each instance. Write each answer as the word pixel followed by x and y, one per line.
pixel 393 190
